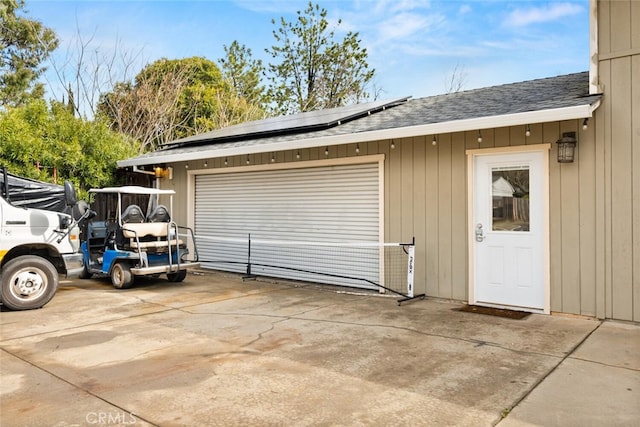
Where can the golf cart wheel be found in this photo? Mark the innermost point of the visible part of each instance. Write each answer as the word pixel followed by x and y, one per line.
pixel 28 282
pixel 121 276
pixel 177 277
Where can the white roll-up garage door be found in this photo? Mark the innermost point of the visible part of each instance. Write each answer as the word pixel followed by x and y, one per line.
pixel 324 204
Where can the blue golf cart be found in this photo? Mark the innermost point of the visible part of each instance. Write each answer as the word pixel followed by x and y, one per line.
pixel 129 241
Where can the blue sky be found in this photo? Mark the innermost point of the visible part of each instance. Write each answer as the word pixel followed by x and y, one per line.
pixel 414 45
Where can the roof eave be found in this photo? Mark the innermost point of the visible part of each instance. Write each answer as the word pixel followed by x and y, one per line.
pixel 516 119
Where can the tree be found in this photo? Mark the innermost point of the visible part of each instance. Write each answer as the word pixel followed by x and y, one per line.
pixel 243 73
pixel 313 71
pixel 24 45
pixel 170 99
pixel 50 144
pixel 88 70
pixel 455 82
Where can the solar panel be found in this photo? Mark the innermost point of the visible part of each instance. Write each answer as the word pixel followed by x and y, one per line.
pixel 310 120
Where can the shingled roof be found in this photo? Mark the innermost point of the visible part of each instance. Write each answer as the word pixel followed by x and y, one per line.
pixel 556 98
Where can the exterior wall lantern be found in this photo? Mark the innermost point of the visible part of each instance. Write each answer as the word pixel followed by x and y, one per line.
pixel 163 172
pixel 566 147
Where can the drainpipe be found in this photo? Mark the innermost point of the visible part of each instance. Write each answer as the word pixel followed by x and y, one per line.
pixel 594 78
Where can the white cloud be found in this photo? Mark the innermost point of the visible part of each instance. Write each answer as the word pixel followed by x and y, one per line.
pixel 464 9
pixel 396 6
pixel 404 25
pixel 536 15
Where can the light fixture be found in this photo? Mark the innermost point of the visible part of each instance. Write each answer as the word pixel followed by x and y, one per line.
pixel 248 161
pixel 393 144
pixel 326 151
pixel 186 166
pixel 357 148
pixel 163 172
pixel 435 141
pixel 273 157
pixel 479 137
pixel 585 124
pixel 528 131
pixel 298 155
pixel 566 147
pixel 226 161
pixel 206 164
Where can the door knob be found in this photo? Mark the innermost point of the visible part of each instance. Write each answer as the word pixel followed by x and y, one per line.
pixel 479 233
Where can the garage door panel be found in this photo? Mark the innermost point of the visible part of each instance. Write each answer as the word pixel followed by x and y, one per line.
pixel 323 204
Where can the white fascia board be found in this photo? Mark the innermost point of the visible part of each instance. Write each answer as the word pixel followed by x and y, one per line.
pixel 517 119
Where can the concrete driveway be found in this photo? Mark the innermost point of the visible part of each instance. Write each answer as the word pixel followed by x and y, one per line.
pixel 215 350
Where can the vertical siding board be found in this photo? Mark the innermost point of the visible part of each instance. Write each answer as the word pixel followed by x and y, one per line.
pixel 395 194
pixel 502 137
pixel 570 228
pixel 587 209
pixel 444 217
pixel 550 133
pixel 605 78
pixel 604 28
pixel 600 216
pixel 179 184
pixel 387 196
pixel 488 138
pixel 635 29
pixel 459 218
pixel 431 220
pixel 406 191
pixel 342 151
pixel 537 135
pixel 635 170
pixel 621 155
pixel 420 212
pixel 621 20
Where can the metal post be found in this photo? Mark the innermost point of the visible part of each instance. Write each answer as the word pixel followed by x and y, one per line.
pixel 410 274
pixel 249 276
pixel 411 253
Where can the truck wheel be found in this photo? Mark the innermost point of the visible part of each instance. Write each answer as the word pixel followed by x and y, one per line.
pixel 121 276
pixel 177 277
pixel 28 282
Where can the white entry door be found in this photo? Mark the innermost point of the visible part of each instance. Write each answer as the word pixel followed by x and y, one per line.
pixel 509 230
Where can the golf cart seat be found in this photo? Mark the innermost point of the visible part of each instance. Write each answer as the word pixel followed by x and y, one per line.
pixel 159 214
pixel 132 214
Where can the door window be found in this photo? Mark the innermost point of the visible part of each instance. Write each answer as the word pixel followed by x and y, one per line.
pixel 510 196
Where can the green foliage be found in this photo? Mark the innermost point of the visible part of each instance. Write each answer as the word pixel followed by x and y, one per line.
pixel 175 98
pixel 50 144
pixel 24 45
pixel 244 73
pixel 313 71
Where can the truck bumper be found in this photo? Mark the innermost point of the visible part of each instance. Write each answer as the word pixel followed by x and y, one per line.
pixel 73 264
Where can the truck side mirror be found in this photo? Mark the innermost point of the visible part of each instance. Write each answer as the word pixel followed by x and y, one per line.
pixel 69 194
pixel 81 211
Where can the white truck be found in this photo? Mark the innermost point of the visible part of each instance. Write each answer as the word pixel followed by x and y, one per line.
pixel 37 244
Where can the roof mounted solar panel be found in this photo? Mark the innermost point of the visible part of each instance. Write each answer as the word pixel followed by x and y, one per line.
pixel 294 123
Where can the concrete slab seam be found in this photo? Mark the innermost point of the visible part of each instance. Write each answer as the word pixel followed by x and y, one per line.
pixel 75 385
pixel 542 378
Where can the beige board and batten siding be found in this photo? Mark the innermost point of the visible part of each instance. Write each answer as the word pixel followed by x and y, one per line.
pixel 425 197
pixel 618 159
